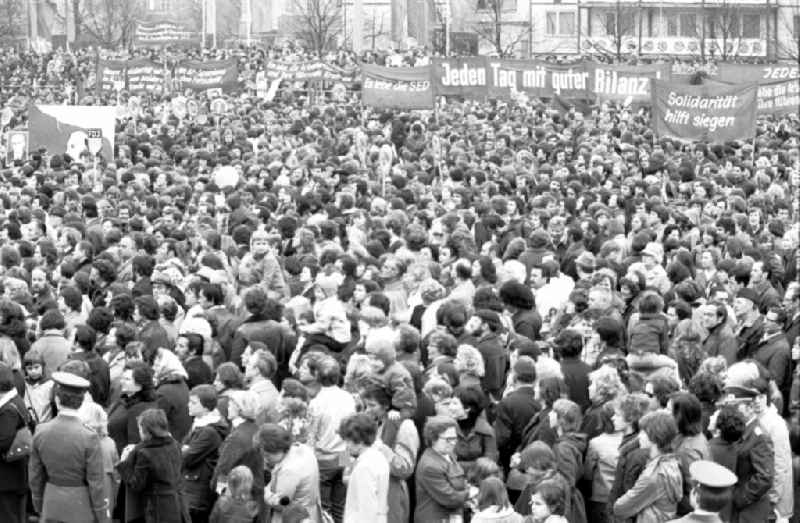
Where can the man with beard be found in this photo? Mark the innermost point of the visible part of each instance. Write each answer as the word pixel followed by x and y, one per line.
pixel 720 340
pixel 41 290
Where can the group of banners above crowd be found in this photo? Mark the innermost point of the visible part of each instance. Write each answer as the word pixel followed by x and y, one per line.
pixel 723 107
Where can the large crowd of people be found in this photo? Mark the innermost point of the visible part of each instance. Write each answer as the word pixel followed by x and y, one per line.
pixel 320 312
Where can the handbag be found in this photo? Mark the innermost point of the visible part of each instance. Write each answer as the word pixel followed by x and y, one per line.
pixel 23 441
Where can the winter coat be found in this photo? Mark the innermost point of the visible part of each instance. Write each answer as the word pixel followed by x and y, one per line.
pixel 122 424
pixel 576 376
pixel 774 353
pixel 495 361
pixel 569 450
pixel 512 415
pixel 442 488
pixel 655 495
pixel 650 334
pixel 173 399
pixel 199 460
pixel 153 471
pixel 238 449
pixel 13 416
pixel 279 339
pixel 721 342
pixel 479 442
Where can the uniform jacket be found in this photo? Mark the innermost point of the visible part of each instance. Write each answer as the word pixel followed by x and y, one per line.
pixel 67 456
pixel 441 487
pixel 755 468
pixel 153 471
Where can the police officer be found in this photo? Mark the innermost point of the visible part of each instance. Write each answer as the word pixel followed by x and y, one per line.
pixel 710 493
pixel 755 461
pixel 66 463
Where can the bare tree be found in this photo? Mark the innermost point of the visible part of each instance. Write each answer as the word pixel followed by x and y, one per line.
pixel 620 24
pixel 491 26
pixel 723 27
pixel 317 23
pixel 109 22
pixel 12 19
pixel 374 29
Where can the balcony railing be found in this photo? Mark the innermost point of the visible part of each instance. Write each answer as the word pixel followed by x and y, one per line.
pixel 681 46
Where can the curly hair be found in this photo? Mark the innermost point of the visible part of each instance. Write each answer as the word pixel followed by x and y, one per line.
pixel 469 361
pixel 607 384
pixel 634 406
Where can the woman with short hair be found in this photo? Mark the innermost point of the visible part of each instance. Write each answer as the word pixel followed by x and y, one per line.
pixel 442 487
pixel 152 470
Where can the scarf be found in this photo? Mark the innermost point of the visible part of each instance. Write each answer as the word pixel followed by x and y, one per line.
pixel 207 419
pixel 8 396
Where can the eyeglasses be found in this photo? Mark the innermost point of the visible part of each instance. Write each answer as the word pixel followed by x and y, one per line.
pixel 450 439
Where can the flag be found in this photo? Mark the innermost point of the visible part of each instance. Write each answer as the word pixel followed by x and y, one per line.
pixel 64 129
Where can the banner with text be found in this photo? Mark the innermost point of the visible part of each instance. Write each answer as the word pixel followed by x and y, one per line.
pixel 199 76
pixel 779 97
pixel 406 88
pixel 308 71
pixel 713 113
pixel 144 75
pixel 482 77
pixel 631 83
pixel 111 73
pixel 741 73
pixel 778 84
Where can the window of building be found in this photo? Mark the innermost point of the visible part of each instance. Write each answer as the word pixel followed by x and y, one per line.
pixel 688 23
pixel 723 25
pixel 751 26
pixel 489 5
pixel 627 24
pixel 653 26
pixel 559 24
pixel 566 23
pixel 672 25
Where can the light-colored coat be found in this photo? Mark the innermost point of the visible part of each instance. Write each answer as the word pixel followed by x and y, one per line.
pixel 297 478
pixel 368 488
